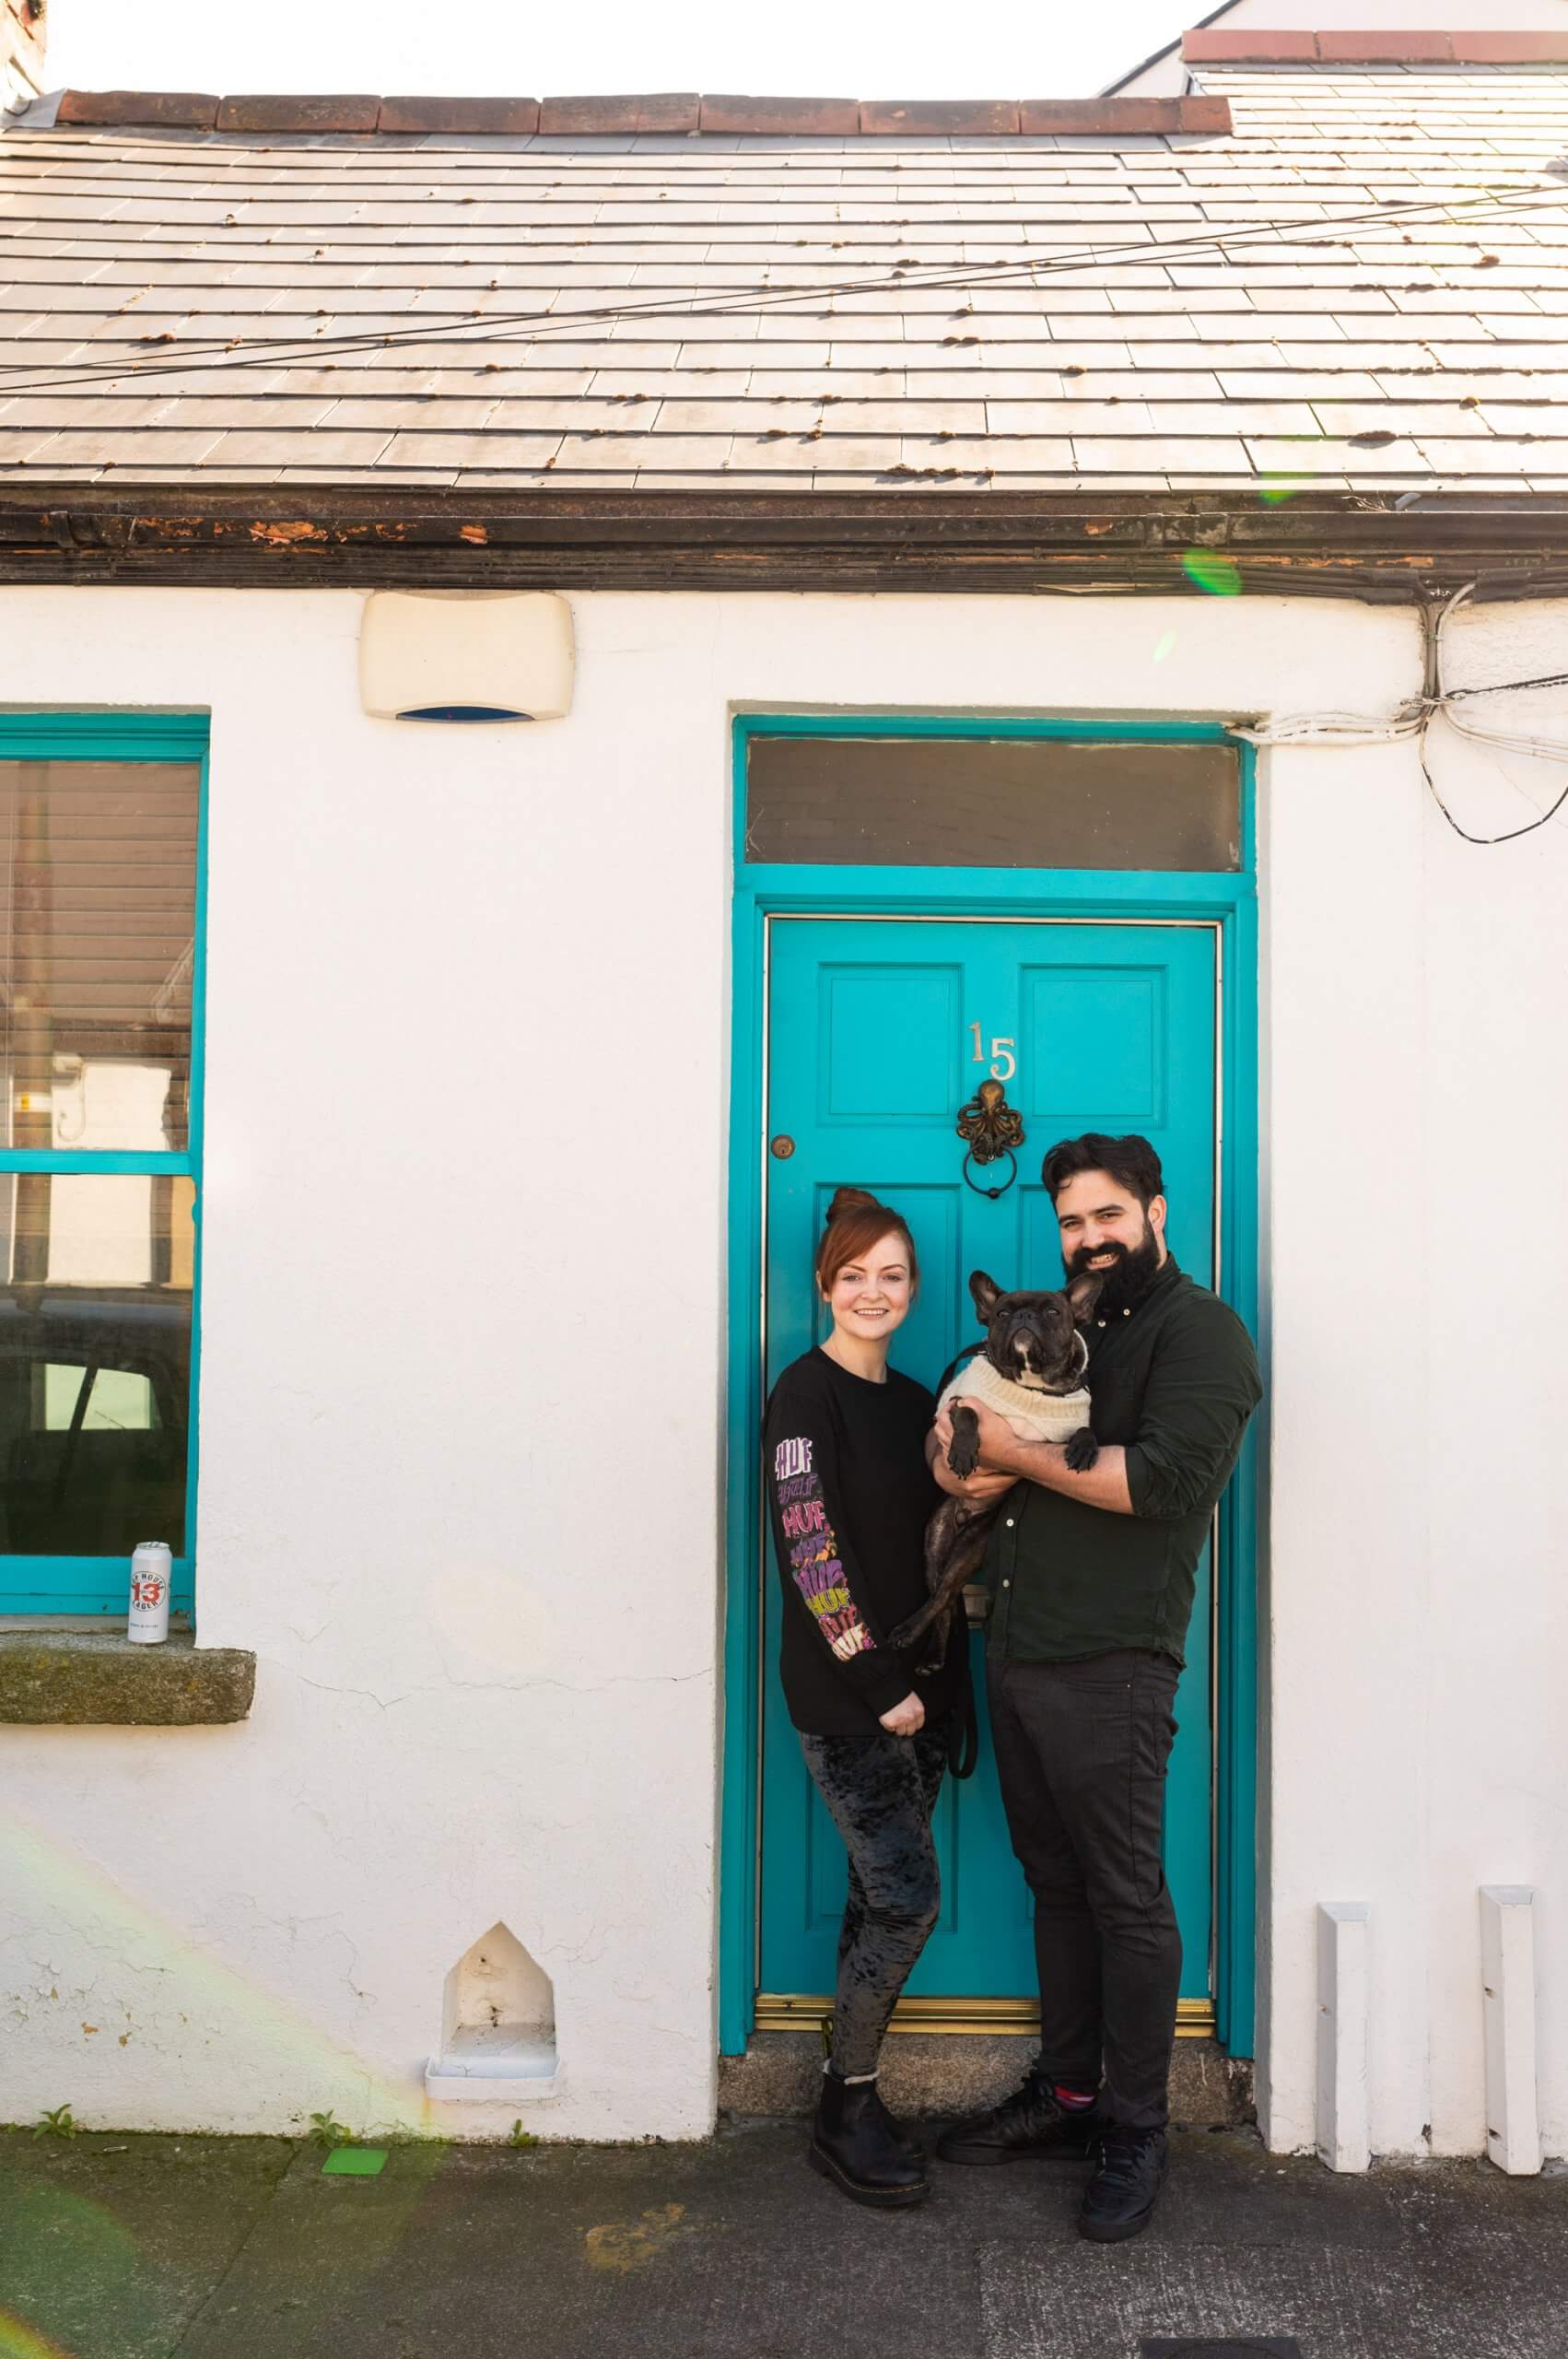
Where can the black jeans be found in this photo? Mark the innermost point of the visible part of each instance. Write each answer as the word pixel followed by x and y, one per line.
pixel 1081 1750
pixel 881 1791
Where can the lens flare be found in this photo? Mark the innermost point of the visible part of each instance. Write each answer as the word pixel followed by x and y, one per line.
pixel 66 1887
pixel 20 2341
pixel 1220 576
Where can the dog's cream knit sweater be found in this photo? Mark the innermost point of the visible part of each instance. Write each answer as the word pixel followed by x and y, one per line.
pixel 1034 1417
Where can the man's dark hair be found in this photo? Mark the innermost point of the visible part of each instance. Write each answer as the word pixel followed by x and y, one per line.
pixel 1131 1163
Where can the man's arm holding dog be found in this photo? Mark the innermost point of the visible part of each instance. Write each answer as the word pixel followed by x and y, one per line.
pixel 1004 1460
pixel 981 1489
pixel 1201 1388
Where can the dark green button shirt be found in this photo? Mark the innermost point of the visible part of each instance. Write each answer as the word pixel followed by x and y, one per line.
pixel 1173 1381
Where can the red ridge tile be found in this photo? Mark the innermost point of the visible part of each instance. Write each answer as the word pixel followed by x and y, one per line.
pixel 1511 49
pixel 1124 118
pixel 264 113
pixel 1398 48
pixel 958 118
pixel 781 118
pixel 1200 112
pixel 517 117
pixel 660 111
pixel 181 110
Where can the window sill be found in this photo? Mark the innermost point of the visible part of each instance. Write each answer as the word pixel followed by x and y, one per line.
pixel 99 1679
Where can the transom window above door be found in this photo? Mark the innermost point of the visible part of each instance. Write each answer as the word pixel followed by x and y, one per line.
pixel 1004 801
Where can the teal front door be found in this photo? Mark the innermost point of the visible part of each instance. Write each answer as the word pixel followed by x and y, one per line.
pixel 878 1032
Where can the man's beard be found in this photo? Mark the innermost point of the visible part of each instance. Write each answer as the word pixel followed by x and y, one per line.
pixel 1125 1281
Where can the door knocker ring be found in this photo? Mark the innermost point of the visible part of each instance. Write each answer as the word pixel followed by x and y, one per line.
pixel 993 1193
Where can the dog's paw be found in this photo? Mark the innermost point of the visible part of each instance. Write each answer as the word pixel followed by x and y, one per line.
pixel 964 1449
pixel 908 1632
pixel 1082 1449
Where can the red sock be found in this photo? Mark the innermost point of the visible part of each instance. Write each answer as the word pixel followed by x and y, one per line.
pixel 1073 2100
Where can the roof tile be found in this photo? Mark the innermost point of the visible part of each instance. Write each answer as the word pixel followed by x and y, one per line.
pixel 314 114
pixel 486 116
pixel 956 118
pixel 669 110
pixel 613 301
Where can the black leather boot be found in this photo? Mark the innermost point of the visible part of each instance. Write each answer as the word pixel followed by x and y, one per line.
pixel 1028 2127
pixel 1119 2200
pixel 856 2144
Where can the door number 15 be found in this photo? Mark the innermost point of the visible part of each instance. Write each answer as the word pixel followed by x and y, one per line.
pixel 1004 1064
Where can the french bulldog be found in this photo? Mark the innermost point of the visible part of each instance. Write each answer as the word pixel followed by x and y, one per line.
pixel 1031 1371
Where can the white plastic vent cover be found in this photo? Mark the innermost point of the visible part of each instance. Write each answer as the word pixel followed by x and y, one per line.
pixel 465 655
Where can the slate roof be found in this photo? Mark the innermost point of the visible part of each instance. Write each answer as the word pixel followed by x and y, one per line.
pixel 829 314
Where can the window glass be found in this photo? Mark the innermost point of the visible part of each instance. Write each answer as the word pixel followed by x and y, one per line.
pixel 95 1361
pixel 993 802
pixel 98 903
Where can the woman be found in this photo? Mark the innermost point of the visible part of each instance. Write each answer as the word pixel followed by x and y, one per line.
pixel 851 1494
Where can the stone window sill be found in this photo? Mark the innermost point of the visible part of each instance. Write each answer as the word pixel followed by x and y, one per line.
pixel 96 1678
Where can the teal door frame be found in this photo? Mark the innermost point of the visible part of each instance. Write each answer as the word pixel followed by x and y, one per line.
pixel 1229 902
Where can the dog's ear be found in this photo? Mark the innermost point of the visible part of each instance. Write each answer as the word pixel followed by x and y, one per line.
pixel 985 1294
pixel 1084 1292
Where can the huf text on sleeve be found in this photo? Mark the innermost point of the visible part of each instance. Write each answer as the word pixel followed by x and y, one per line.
pixel 848 1496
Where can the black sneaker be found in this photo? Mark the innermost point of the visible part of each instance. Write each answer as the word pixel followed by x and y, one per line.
pixel 1028 2127
pixel 1119 2200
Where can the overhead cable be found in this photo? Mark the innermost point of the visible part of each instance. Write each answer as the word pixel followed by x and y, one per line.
pixel 204 354
pixel 1414 719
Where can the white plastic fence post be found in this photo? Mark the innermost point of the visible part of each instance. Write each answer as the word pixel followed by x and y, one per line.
pixel 1344 2121
pixel 1509 2013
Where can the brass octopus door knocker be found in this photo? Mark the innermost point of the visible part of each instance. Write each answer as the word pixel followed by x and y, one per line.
pixel 993 1129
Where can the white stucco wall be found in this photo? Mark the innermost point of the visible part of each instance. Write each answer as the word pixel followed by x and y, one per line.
pixel 462 1355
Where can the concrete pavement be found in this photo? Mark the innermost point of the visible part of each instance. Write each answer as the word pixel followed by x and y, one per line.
pixel 118 2247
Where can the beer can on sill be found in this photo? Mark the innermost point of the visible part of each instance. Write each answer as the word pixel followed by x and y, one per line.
pixel 151 1567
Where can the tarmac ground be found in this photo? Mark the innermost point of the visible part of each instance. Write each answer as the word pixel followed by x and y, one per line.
pixel 125 2247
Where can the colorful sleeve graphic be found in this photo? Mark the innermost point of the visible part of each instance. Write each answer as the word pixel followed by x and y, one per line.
pixel 813 1550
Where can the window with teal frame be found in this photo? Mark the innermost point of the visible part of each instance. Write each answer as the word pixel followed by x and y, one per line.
pixel 102 873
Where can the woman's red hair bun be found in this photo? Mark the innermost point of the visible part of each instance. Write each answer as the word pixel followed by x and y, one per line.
pixel 855 1221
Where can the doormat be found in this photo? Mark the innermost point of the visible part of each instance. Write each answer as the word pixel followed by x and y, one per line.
pixel 1230 2346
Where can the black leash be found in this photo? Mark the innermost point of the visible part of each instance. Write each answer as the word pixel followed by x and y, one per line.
pixel 970 1351
pixel 964 1729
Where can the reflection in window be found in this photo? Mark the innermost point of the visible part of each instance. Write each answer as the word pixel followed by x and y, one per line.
pixel 97 901
pixel 95 1361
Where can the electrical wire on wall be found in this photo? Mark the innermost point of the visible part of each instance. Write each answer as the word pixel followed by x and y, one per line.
pixel 1415 717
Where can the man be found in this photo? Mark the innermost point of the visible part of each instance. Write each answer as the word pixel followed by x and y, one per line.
pixel 1091 1584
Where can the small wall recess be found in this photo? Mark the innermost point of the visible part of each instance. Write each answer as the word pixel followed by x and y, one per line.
pixel 461 655
pixel 497 2027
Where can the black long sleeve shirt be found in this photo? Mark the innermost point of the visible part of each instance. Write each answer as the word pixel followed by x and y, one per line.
pixel 849 1496
pixel 1173 1381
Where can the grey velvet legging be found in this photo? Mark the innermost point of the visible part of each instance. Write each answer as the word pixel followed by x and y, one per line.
pixel 881 1791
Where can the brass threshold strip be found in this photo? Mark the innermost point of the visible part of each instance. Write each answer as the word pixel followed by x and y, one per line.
pixel 791 2012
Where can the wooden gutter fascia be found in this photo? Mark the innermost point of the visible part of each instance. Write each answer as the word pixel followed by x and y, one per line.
pixel 1355 545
